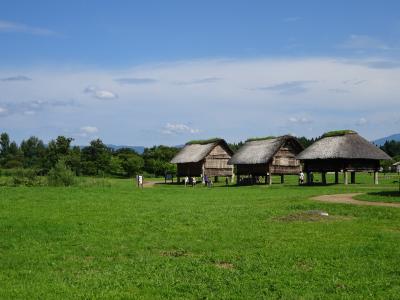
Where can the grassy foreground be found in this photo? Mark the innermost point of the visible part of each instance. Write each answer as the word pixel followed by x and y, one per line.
pixel 118 241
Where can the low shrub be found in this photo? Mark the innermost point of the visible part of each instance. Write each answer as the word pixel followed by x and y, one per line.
pixel 61 175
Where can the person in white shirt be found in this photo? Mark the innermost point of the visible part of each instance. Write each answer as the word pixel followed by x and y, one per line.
pixel 301 177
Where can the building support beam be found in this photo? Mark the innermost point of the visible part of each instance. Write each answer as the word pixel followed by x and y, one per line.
pixel 238 179
pixel 346 177
pixel 336 177
pixel 353 177
pixel 282 178
pixel 269 179
pixel 216 179
pixel 308 178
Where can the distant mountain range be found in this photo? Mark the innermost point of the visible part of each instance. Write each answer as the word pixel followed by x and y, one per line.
pixel 381 141
pixel 138 149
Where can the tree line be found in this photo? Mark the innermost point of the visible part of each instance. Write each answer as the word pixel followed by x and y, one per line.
pixel 93 160
pixel 97 159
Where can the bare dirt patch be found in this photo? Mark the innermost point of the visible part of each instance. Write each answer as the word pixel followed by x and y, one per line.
pixel 307 216
pixel 174 253
pixel 348 199
pixel 224 265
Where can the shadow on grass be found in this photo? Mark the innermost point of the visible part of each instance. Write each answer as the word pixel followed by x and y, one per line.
pixel 385 194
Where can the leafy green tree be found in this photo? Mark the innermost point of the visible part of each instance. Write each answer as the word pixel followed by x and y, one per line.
pixel 157 159
pixel 57 149
pixel 96 158
pixel 33 151
pixel 132 165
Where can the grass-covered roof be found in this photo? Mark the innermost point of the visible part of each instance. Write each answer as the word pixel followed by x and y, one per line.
pixel 204 142
pixel 261 138
pixel 338 133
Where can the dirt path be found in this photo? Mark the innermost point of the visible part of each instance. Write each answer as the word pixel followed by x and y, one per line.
pixel 348 199
pixel 147 184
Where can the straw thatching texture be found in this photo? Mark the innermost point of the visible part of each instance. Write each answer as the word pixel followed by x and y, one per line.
pixel 259 151
pixel 347 146
pixel 196 151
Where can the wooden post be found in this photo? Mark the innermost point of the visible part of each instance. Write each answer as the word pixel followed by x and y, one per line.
pixel 270 179
pixel 308 178
pixel 178 179
pixel 282 178
pixel 346 179
pixel 353 177
pixel 376 178
pixel 266 179
pixel 336 177
pixel 216 179
pixel 323 177
pixel 238 179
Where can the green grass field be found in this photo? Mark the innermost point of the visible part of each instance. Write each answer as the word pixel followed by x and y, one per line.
pixel 117 241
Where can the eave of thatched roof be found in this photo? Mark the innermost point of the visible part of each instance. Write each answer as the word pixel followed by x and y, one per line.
pixel 260 151
pixel 347 145
pixel 195 151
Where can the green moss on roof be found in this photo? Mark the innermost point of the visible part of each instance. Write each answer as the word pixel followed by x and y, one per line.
pixel 338 133
pixel 204 142
pixel 261 138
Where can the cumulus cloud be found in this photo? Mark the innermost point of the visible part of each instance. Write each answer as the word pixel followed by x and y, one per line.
pixel 3 111
pixel 177 128
pixel 299 120
pixel 100 93
pixel 231 108
pixel 89 129
pixel 135 81
pixel 6 26
pixel 16 78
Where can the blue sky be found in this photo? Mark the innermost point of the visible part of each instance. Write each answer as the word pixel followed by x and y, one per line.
pixel 152 72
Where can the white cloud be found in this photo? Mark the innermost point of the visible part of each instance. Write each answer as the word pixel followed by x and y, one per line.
pixel 89 129
pixel 177 128
pixel 100 93
pixel 255 97
pixel 6 26
pixel 360 42
pixel 299 120
pixel 3 110
pixel 361 121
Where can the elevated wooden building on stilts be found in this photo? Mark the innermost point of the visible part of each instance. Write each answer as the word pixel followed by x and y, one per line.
pixel 204 158
pixel 266 157
pixel 342 151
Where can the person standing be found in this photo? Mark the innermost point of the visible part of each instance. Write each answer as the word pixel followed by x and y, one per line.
pixel 186 180
pixel 140 181
pixel 301 178
pixel 194 181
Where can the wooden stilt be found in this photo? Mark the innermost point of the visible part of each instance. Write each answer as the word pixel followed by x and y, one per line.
pixel 346 177
pixel 282 178
pixel 323 177
pixel 216 179
pixel 308 178
pixel 269 178
pixel 238 179
pixel 336 177
pixel 376 178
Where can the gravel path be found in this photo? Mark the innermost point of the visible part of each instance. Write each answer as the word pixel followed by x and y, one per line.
pixel 348 199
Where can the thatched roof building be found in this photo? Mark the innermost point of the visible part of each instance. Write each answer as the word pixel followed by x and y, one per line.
pixel 204 157
pixel 342 150
pixel 270 155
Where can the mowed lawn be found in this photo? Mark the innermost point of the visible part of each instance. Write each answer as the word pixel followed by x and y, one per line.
pixel 168 241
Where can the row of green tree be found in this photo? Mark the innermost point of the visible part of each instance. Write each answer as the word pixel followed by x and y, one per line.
pixel 98 159
pixel 95 159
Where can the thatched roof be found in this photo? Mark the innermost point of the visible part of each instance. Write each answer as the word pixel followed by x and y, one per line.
pixel 260 151
pixel 344 145
pixel 195 151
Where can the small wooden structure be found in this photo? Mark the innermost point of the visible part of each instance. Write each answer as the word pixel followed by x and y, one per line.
pixel 342 151
pixel 267 156
pixel 204 158
pixel 396 167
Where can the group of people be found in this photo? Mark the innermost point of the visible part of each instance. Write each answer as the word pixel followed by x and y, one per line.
pixel 192 180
